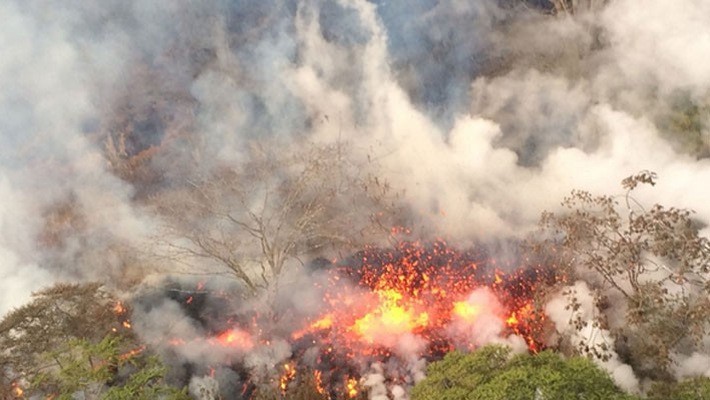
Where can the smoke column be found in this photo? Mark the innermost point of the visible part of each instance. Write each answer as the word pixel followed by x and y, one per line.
pixel 483 112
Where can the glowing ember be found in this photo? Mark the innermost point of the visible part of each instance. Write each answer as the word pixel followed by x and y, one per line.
pixel 235 338
pixel 118 308
pixel 287 376
pixel 522 322
pixel 420 300
pixel 351 388
pixel 318 381
pixel 466 311
pixel 17 390
pixel 131 353
pixel 321 324
pixel 390 318
pixel 512 320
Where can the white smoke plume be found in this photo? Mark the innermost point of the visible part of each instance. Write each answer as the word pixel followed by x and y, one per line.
pixel 204 388
pixel 481 323
pixel 588 336
pixel 483 114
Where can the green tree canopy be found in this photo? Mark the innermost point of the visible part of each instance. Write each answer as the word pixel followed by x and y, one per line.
pixel 75 340
pixel 491 373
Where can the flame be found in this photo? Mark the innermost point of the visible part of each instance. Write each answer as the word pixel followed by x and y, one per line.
pixel 512 320
pixel 522 321
pixel 351 388
pixel 323 323
pixel 417 291
pixel 121 311
pixel 119 308
pixel 466 311
pixel 235 338
pixel 433 294
pixel 391 317
pixel 17 390
pixel 132 353
pixel 287 376
pixel 318 381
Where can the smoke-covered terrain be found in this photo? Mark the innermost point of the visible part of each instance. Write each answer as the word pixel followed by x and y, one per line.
pixel 156 146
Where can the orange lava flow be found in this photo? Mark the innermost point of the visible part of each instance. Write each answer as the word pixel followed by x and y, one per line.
pixel 466 311
pixel 392 316
pixel 414 292
pixel 235 338
pixel 419 300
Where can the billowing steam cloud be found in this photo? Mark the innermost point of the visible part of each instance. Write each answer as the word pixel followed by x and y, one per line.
pixel 484 113
pixel 590 334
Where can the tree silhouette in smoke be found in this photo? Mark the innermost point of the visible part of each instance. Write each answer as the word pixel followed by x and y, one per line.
pixel 275 209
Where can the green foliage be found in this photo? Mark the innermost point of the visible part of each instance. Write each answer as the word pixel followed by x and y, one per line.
pixel 77 365
pixel 103 371
pixel 56 316
pixel 71 339
pixel 686 124
pixel 458 374
pixel 690 389
pixel 146 382
pixel 491 373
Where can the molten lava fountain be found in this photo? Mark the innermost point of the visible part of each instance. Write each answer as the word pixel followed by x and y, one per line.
pixel 385 312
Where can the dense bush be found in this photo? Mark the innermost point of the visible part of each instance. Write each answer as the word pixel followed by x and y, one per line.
pixel 491 373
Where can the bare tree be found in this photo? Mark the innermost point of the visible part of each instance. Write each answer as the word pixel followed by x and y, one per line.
pixel 280 205
pixel 656 259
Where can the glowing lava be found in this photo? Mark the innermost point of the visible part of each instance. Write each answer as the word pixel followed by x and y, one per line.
pixel 466 311
pixel 235 338
pixel 289 373
pixel 414 301
pixel 389 319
